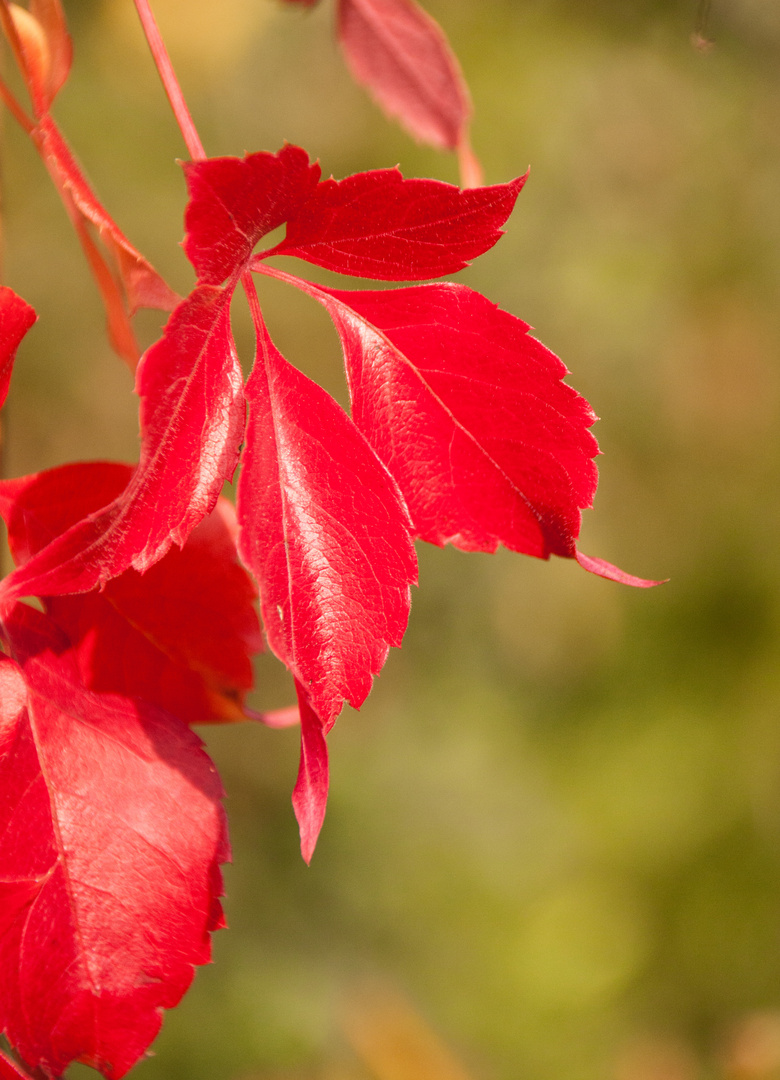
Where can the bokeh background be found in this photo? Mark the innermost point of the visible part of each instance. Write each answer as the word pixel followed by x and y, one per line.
pixel 552 850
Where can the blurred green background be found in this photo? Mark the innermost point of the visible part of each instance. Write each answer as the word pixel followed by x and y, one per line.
pixel 552 849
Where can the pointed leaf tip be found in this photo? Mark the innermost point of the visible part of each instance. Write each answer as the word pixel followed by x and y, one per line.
pixel 602 568
pixel 16 318
pixel 310 795
pixel 380 224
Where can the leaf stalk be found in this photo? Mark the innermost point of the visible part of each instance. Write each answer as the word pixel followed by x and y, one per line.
pixel 13 106
pixel 170 83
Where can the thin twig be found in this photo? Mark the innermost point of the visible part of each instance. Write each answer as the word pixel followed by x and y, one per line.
pixel 170 82
pixel 15 108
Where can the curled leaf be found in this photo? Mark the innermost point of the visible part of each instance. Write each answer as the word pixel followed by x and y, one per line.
pixel 51 18
pixel 42 45
pixel 29 39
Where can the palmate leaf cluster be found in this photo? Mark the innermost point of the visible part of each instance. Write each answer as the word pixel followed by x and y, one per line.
pixel 461 431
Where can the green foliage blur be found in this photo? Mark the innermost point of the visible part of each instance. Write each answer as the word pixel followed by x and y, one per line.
pixel 552 849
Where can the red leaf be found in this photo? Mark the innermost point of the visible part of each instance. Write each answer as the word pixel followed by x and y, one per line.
pixel 326 534
pixel 234 202
pixel 181 635
pixel 374 224
pixel 380 225
pixel 112 825
pixel 28 41
pixel 192 418
pixel 469 412
pixel 37 508
pixel 197 605
pixel 115 657
pixel 310 795
pixel 51 18
pixel 472 417
pixel 42 47
pixel 400 54
pixel 16 318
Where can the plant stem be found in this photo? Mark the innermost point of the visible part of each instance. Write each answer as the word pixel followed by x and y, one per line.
pixel 248 284
pixel 15 108
pixel 170 82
